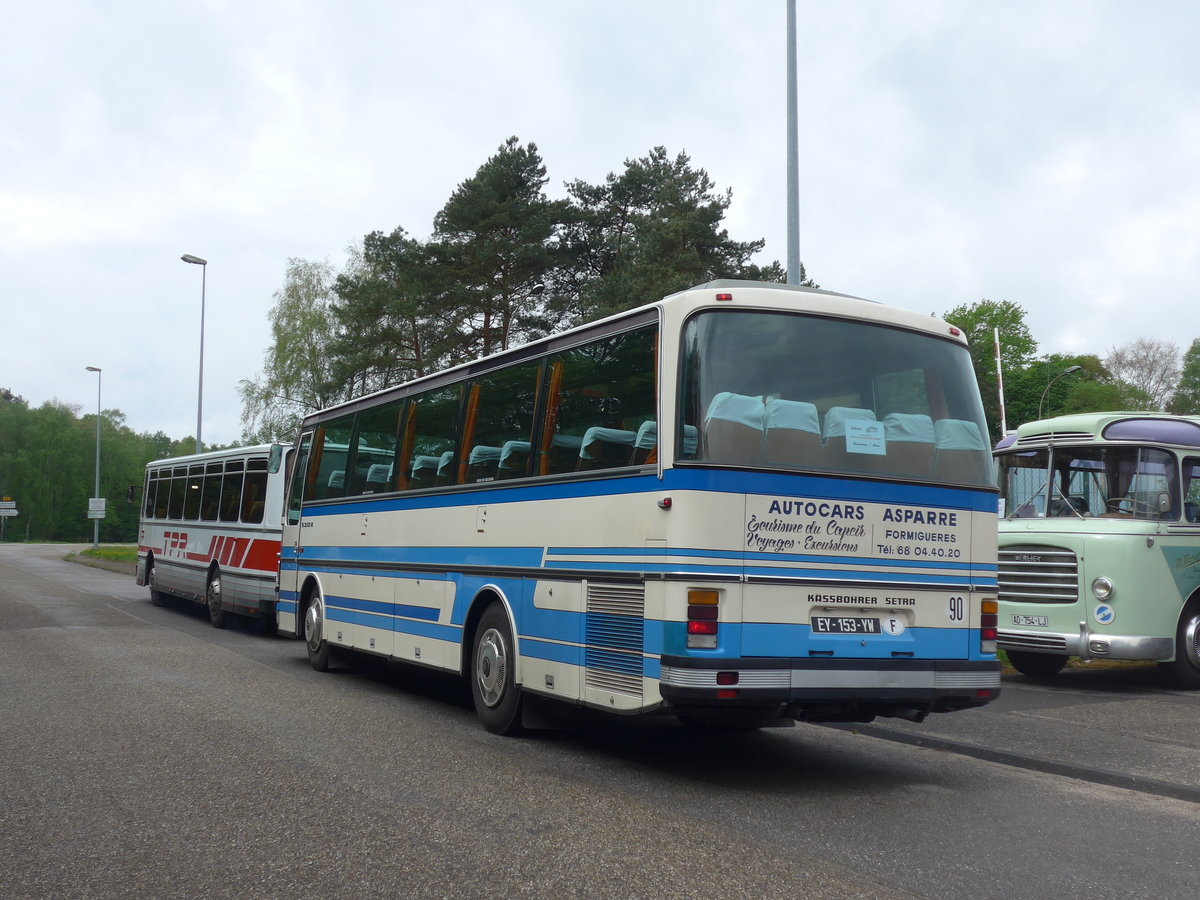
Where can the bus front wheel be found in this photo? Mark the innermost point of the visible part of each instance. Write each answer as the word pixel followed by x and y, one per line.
pixel 1185 669
pixel 314 635
pixel 1036 665
pixel 493 687
pixel 212 599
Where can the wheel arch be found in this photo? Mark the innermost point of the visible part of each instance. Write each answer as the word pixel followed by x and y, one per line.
pixel 484 597
pixel 310 587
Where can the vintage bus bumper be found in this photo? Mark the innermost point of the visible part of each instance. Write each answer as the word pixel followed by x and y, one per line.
pixel 827 690
pixel 1088 644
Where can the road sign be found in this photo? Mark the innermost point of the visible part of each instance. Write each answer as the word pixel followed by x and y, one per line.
pixel 96 507
pixel 8 511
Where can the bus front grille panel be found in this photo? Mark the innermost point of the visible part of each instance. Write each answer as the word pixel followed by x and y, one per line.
pixel 615 626
pixel 1024 641
pixel 1038 574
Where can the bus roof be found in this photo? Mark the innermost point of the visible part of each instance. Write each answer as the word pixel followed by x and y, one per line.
pixel 256 450
pixel 1124 427
pixel 678 306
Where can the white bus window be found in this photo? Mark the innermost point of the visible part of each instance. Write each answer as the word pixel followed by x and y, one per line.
pixel 254 491
pixel 210 503
pixel 151 492
pixel 231 490
pixel 191 503
pixel 178 492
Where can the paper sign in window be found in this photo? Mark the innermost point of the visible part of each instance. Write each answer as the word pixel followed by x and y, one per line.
pixel 865 436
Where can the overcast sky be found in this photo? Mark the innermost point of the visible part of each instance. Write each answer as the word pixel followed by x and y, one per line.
pixel 950 150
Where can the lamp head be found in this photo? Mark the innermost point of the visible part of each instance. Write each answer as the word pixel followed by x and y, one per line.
pixel 194 260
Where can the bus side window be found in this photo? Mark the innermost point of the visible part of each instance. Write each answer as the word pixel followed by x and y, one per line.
pixel 297 479
pixel 1191 490
pixel 254 491
pixel 500 417
pixel 603 393
pixel 430 434
pixel 231 490
pixel 178 492
pixel 210 502
pixel 374 455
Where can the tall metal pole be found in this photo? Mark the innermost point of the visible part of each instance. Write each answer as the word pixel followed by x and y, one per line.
pixel 203 264
pixel 793 164
pixel 95 521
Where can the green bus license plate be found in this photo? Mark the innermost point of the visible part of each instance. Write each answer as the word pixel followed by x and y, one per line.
pixel 844 625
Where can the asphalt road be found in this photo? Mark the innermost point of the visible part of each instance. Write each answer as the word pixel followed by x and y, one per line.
pixel 145 754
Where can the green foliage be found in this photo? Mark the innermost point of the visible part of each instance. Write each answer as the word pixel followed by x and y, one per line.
pixel 1185 401
pixel 504 265
pixel 978 321
pixel 496 241
pixel 300 370
pixel 650 231
pixel 48 466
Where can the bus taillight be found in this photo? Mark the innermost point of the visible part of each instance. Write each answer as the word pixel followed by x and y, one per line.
pixel 988 622
pixel 702 620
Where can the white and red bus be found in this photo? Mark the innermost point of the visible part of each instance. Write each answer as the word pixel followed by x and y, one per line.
pixel 210 528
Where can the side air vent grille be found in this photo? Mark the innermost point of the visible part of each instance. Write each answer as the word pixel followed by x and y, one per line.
pixel 614 637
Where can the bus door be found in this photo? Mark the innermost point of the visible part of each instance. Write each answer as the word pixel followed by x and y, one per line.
pixel 291 547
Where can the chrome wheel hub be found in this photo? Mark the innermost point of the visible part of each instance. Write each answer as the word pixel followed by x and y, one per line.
pixel 1191 640
pixel 491 666
pixel 312 625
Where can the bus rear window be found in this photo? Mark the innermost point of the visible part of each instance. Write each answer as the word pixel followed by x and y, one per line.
pixel 804 392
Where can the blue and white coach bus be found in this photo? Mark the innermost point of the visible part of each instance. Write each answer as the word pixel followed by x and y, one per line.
pixel 743 503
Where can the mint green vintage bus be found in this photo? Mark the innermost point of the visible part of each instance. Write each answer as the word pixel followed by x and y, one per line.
pixel 1099 544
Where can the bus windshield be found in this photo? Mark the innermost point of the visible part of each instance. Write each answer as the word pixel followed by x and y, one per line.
pixel 799 391
pixel 1114 481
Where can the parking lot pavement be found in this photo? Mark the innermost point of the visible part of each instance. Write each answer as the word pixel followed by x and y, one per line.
pixel 1122 726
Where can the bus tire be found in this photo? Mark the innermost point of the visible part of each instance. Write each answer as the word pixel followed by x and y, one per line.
pixel 1037 665
pixel 212 599
pixel 493 688
pixel 314 634
pixel 1185 668
pixel 157 597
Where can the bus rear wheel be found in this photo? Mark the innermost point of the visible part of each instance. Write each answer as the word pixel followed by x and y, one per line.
pixel 493 687
pixel 1037 665
pixel 212 599
pixel 314 635
pixel 157 597
pixel 1185 668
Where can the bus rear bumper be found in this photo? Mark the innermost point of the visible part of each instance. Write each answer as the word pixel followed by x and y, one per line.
pixel 829 689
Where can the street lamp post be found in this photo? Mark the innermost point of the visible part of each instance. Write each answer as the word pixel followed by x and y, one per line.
pixel 203 264
pixel 1067 371
pixel 96 522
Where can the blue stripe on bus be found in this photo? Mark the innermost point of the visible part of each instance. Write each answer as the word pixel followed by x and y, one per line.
pixel 383 608
pixel 531 558
pixel 730 481
pixel 749 555
pixel 449 557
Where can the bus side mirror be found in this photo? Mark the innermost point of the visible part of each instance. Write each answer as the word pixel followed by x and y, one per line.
pixel 131 494
pixel 1164 502
pixel 275 459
